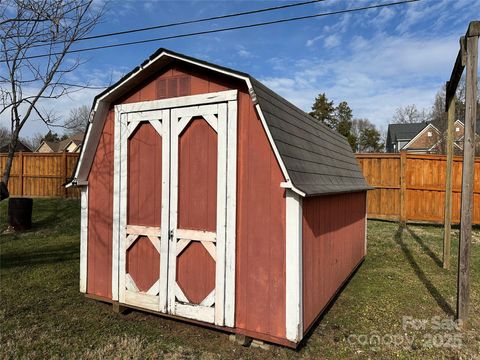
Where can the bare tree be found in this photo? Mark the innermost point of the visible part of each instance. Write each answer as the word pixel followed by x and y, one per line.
pixel 409 114
pixel 29 28
pixel 77 120
pixel 34 141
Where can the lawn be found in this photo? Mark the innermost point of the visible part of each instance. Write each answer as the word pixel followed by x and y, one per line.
pixel 398 304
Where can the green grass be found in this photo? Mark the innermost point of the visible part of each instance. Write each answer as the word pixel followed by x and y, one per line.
pixel 43 315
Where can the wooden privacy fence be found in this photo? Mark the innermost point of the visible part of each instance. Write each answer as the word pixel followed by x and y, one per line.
pixel 408 187
pixel 411 187
pixel 40 174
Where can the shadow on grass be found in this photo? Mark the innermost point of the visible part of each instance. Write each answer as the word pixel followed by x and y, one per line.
pixel 317 322
pixel 59 214
pixel 425 247
pixel 442 303
pixel 46 255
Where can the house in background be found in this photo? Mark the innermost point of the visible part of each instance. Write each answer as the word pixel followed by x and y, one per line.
pixel 72 144
pixel 425 138
pixel 399 135
pixel 19 147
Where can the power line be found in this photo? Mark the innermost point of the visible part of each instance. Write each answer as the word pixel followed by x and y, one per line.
pixel 221 29
pixel 196 21
pixel 186 22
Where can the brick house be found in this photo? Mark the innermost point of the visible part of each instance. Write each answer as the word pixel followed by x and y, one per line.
pixel 426 138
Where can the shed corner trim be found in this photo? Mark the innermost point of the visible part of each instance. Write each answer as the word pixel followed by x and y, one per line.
pixel 293 267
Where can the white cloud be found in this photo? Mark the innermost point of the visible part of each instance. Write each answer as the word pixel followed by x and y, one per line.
pixel 383 17
pixel 331 41
pixel 311 42
pixel 377 77
pixel 243 52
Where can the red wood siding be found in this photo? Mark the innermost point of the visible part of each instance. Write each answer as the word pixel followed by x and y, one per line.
pixel 195 272
pixel 144 177
pixel 197 206
pixel 260 261
pixel 333 244
pixel 260 295
pixel 197 177
pixel 143 263
pixel 100 205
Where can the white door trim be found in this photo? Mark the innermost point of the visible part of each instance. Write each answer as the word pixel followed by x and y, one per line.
pixel 231 208
pixel 216 116
pixel 125 125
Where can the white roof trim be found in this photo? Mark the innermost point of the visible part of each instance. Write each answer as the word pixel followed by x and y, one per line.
pixel 288 185
pixel 419 134
pixel 100 101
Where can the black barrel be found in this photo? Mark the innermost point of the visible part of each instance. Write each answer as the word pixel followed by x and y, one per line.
pixel 20 213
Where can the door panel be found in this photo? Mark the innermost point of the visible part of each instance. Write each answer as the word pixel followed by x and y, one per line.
pixel 197 215
pixel 143 240
pixel 197 177
pixel 144 202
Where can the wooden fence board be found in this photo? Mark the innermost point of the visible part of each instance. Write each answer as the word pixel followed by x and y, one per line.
pixel 41 175
pixel 425 178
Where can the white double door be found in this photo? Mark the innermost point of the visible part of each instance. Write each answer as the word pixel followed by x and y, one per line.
pixel 175 182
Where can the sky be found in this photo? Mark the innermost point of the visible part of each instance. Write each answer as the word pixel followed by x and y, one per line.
pixel 376 60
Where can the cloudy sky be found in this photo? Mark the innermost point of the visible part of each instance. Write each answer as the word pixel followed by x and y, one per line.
pixel 376 60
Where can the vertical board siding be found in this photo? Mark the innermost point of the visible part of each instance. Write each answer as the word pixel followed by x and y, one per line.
pixel 333 228
pixel 425 177
pixel 144 195
pixel 143 263
pixel 41 175
pixel 195 272
pixel 260 294
pixel 100 213
pixel 197 177
pixel 197 206
pixel 260 244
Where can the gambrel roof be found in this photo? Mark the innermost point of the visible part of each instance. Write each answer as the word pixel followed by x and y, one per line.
pixel 314 159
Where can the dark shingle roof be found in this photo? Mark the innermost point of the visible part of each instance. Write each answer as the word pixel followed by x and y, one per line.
pixel 19 147
pixel 318 159
pixel 404 131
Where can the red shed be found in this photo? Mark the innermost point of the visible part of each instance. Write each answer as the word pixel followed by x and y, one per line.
pixel 208 197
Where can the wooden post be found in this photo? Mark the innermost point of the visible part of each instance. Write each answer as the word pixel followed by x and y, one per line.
pixel 403 187
pixel 448 185
pixel 64 172
pixel 463 287
pixel 20 159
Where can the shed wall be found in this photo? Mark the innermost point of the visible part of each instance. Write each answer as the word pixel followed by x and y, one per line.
pixel 333 245
pixel 260 226
pixel 100 212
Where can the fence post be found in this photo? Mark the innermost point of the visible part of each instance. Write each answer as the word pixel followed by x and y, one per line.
pixel 403 187
pixel 64 172
pixel 21 172
pixel 466 213
pixel 448 186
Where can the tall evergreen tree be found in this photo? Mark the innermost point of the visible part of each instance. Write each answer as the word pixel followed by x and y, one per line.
pixel 323 110
pixel 343 117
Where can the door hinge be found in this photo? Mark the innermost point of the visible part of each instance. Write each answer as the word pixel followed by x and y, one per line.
pixel 171 235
